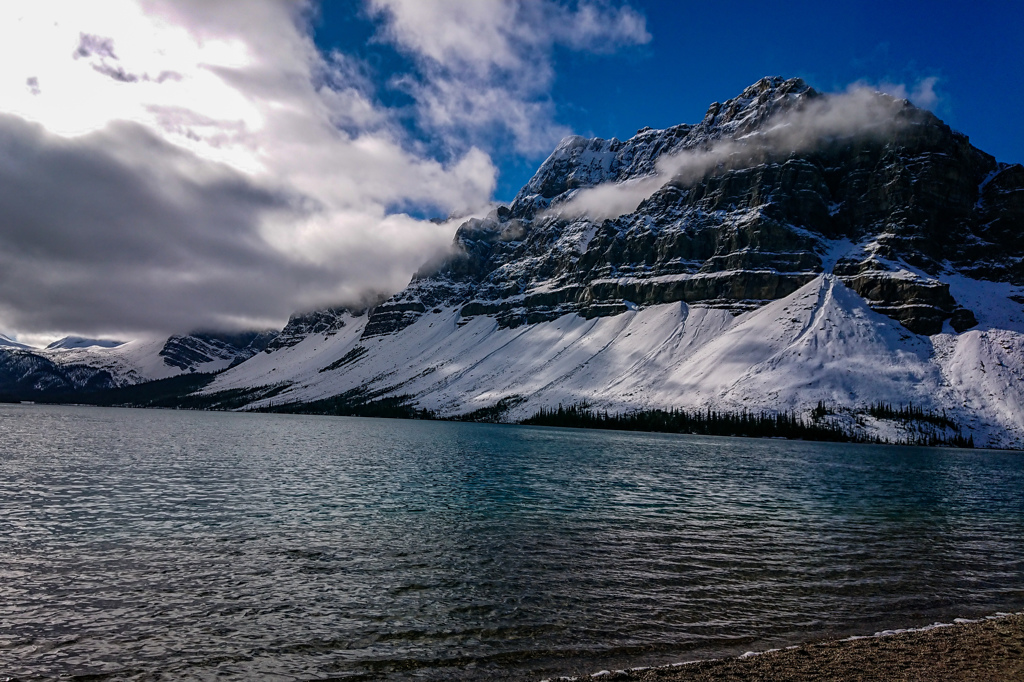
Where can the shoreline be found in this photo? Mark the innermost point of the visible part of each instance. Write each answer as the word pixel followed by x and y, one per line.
pixel 989 648
pixel 524 423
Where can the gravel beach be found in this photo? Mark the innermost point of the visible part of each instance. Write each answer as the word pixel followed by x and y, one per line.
pixel 990 649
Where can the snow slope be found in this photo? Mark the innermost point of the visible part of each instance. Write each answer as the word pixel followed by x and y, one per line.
pixel 822 342
pixel 129 363
pixel 8 342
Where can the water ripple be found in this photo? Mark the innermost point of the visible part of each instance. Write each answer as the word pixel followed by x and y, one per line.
pixel 153 545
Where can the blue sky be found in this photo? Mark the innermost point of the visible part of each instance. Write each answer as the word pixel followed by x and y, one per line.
pixel 700 52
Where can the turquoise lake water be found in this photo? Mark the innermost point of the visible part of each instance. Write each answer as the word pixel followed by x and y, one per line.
pixel 146 544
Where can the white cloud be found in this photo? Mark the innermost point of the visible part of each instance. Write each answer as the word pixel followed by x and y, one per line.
pixel 921 94
pixel 924 94
pixel 190 163
pixel 486 65
pixel 173 164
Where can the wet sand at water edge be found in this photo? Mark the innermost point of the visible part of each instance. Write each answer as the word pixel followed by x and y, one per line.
pixel 991 649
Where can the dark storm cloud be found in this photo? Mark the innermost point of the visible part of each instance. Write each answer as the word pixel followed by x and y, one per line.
pixel 89 45
pixel 119 230
pixel 96 46
pixel 116 72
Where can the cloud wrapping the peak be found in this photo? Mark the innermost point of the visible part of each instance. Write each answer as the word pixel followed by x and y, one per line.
pixel 858 113
pixel 487 65
pixel 922 94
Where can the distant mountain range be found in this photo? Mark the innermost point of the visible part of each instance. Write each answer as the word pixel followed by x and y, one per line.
pixel 73 367
pixel 71 342
pixel 793 251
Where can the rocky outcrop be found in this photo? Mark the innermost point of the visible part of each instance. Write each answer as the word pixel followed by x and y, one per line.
pixel 301 325
pixel 189 352
pixel 392 316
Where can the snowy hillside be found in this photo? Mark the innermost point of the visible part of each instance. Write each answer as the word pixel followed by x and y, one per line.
pixel 820 343
pixel 791 248
pixel 135 361
pixel 75 364
pixel 7 342
pixel 78 342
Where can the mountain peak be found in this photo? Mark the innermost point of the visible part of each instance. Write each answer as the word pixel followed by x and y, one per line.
pixel 755 105
pixel 578 162
pixel 70 342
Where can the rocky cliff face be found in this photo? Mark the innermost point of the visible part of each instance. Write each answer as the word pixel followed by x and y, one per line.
pixel 190 352
pixel 886 214
pixel 303 325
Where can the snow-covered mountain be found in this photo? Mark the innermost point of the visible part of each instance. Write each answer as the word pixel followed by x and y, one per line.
pixel 8 342
pixel 730 264
pixel 73 342
pixel 75 364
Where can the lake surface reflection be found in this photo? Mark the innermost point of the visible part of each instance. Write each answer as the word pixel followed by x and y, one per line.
pixel 167 545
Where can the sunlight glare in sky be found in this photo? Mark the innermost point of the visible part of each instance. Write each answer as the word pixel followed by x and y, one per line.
pixel 61 69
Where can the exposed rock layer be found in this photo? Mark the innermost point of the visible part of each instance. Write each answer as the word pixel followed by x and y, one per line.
pixel 907 206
